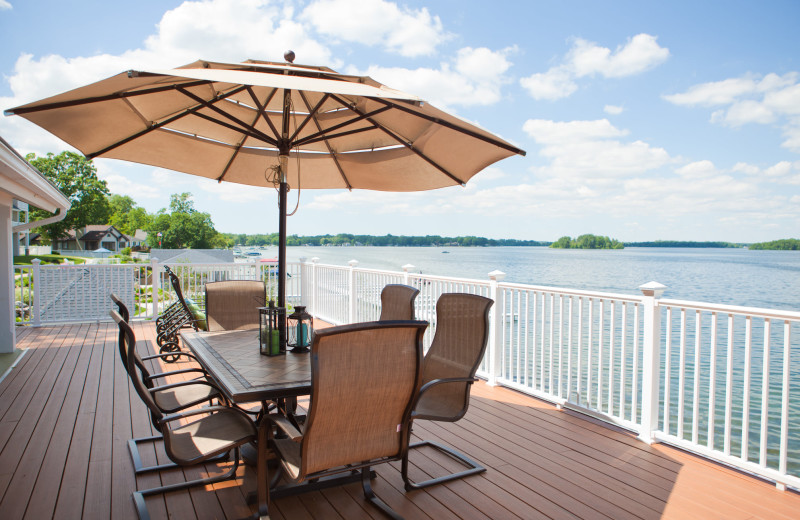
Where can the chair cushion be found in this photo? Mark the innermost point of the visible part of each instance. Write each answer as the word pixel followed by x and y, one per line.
pixel 198 314
pixel 210 435
pixel 180 397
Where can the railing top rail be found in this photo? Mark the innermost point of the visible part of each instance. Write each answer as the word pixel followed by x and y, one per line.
pixel 731 309
pixel 573 292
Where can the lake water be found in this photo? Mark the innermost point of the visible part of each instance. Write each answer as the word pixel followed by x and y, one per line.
pixel 769 279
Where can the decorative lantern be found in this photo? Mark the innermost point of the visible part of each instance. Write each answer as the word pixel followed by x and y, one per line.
pixel 300 329
pixel 269 330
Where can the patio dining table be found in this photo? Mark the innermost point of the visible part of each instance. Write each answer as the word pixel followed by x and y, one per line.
pixel 246 376
pixel 243 373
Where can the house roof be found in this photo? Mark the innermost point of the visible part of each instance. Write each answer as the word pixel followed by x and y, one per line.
pixel 24 182
pixel 192 256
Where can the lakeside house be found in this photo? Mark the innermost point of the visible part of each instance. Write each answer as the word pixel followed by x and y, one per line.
pixel 21 182
pixel 92 237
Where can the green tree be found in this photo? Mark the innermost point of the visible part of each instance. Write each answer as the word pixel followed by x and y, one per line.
pixel 76 177
pixel 127 216
pixel 184 227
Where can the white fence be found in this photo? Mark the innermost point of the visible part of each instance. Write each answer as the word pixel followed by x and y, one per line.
pixel 47 294
pixel 718 380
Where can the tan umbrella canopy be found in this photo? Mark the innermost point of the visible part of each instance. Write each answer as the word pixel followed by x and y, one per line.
pixel 270 124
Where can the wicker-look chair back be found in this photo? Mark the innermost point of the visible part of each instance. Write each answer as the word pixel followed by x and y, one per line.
pixel 458 346
pixel 397 302
pixel 233 304
pixel 364 379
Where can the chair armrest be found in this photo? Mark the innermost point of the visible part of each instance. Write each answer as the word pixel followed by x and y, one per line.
pixel 202 411
pixel 176 372
pixel 283 424
pixel 427 386
pixel 171 354
pixel 185 383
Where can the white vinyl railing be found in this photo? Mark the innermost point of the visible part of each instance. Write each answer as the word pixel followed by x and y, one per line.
pixel 718 380
pixel 47 294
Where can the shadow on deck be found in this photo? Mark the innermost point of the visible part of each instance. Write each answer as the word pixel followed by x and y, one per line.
pixel 67 411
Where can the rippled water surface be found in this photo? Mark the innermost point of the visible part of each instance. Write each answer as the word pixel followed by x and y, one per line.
pixel 732 276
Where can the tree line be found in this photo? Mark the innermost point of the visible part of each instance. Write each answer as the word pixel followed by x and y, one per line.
pixel 342 239
pixel 587 241
pixel 787 244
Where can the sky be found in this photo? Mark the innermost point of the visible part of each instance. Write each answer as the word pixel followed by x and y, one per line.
pixel 642 120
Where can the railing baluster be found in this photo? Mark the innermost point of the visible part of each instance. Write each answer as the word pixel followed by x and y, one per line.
pixel 682 375
pixel 763 440
pixel 600 329
pixel 785 381
pixel 589 361
pixel 728 388
pixel 668 372
pixel 579 371
pixel 696 385
pixel 560 345
pixel 551 345
pixel 622 360
pixel 635 390
pixel 746 392
pixel 611 325
pixel 712 383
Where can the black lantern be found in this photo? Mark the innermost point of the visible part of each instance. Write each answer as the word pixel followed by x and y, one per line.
pixel 300 329
pixel 269 331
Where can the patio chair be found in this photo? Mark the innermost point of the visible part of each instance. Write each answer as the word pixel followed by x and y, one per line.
pixel 397 302
pixel 364 379
pixel 219 430
pixel 233 304
pixel 462 331
pixel 169 398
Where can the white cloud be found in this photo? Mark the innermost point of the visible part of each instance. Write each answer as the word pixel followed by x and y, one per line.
pixel 5 5
pixel 613 110
pixel 639 54
pixel 771 100
pixel 554 84
pixel 376 22
pixel 697 170
pixel 475 77
pixel 588 151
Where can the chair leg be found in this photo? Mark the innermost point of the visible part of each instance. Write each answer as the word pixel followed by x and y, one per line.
pixel 473 467
pixel 373 498
pixel 139 496
pixel 138 465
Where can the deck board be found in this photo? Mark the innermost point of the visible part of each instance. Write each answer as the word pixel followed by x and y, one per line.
pixel 67 410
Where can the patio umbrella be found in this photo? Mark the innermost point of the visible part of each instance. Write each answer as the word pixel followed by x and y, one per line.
pixel 271 124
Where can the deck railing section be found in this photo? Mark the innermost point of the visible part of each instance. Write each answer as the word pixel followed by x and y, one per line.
pixel 65 293
pixel 731 385
pixel 581 349
pixel 718 380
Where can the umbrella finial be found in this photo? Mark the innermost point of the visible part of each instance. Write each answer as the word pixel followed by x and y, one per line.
pixel 289 56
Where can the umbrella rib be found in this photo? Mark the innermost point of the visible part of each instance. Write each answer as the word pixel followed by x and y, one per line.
pixel 262 109
pixel 330 150
pixel 451 126
pixel 361 117
pixel 238 148
pixel 98 99
pixel 154 126
pixel 410 146
pixel 233 118
pixel 340 134
pixel 311 114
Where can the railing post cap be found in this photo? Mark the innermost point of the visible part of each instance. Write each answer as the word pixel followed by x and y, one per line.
pixel 653 289
pixel 408 267
pixel 315 259
pixel 154 260
pixel 497 275
pixel 353 263
pixel 36 261
pixel 303 259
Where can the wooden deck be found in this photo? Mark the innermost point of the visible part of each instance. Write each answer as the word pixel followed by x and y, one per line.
pixel 67 411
